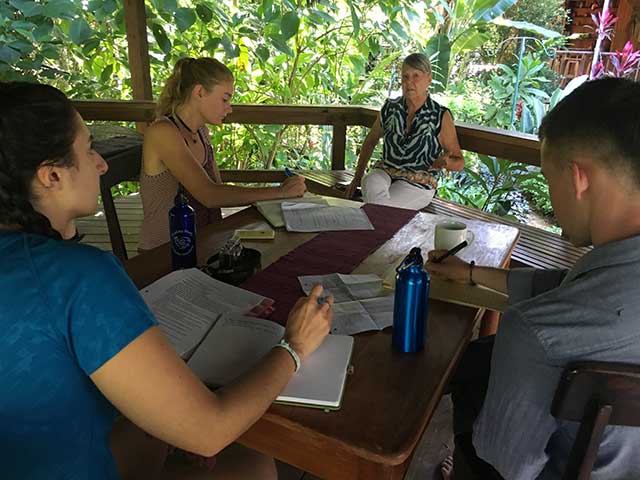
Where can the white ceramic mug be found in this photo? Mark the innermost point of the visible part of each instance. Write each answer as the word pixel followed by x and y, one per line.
pixel 450 233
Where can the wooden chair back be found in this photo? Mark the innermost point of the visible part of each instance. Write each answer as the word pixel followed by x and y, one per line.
pixel 596 394
pixel 124 159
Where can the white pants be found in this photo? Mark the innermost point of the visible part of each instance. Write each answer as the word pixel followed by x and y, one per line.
pixel 377 187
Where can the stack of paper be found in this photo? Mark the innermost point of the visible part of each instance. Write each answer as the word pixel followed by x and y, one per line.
pixel 360 305
pixel 272 209
pixel 309 217
pixel 187 303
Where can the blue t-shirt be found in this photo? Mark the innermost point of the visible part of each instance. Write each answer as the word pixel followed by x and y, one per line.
pixel 65 310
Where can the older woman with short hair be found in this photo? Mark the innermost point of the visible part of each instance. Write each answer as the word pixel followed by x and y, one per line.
pixel 419 139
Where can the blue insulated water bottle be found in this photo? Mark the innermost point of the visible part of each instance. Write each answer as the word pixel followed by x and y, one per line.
pixel 182 227
pixel 411 304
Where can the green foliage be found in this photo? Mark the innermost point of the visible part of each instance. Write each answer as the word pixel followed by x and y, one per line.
pixel 462 26
pixel 487 183
pixel 293 52
pixel 531 91
pixel 66 44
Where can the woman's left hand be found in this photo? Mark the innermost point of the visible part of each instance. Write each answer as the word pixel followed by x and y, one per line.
pixel 441 162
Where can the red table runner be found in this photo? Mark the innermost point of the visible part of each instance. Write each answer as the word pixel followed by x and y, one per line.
pixel 328 252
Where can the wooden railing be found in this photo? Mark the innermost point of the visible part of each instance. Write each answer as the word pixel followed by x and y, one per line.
pixel 570 64
pixel 514 146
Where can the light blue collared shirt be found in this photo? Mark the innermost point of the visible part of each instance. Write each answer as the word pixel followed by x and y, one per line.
pixel 591 312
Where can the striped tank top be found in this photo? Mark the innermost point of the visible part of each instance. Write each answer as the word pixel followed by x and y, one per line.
pixel 158 193
pixel 409 156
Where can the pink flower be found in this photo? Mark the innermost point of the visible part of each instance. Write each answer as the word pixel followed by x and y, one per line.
pixel 604 23
pixel 625 62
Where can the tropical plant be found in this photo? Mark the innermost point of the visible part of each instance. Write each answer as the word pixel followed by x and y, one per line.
pixel 78 46
pixel 489 184
pixel 604 23
pixel 462 26
pixel 530 93
pixel 623 63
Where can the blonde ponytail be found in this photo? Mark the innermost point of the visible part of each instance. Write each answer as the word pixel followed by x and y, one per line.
pixel 187 73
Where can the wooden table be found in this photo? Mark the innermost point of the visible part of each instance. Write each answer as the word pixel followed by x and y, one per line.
pixel 390 397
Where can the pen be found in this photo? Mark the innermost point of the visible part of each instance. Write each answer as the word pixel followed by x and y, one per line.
pixel 287 172
pixel 450 252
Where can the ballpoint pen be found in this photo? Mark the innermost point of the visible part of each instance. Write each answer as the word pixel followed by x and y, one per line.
pixel 450 252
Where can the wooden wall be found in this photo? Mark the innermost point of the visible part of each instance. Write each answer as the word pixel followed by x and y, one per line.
pixel 581 22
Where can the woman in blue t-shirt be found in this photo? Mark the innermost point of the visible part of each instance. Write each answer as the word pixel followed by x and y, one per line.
pixel 419 139
pixel 77 342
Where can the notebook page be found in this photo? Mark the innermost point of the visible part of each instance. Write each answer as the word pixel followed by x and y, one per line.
pixel 187 302
pixel 302 217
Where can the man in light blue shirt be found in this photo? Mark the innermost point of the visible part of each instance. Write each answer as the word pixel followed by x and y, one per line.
pixel 591 160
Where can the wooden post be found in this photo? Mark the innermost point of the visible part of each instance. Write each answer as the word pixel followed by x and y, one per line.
pixel 628 25
pixel 338 146
pixel 138 48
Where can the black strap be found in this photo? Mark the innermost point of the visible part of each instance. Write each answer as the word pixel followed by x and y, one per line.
pixel 170 117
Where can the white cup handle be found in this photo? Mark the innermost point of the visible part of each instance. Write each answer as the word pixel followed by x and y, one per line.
pixel 470 237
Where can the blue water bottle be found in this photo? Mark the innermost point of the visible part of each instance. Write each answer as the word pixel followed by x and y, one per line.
pixel 182 228
pixel 411 304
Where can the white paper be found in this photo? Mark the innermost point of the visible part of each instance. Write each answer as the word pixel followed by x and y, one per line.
pixel 272 209
pixel 187 302
pixel 343 288
pixel 358 306
pixel 380 309
pixel 350 318
pixel 306 217
pixel 354 317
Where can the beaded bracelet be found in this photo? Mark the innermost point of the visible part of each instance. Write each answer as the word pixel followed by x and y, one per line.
pixel 296 358
pixel 471 265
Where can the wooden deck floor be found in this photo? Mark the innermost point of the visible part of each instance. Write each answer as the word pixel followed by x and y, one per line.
pixel 431 449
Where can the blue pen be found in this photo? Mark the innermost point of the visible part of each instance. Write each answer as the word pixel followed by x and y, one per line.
pixel 287 172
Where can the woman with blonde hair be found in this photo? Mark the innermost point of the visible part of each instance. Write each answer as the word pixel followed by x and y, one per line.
pixel 177 151
pixel 419 140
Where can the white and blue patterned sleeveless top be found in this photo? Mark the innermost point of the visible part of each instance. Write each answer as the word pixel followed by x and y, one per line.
pixel 417 150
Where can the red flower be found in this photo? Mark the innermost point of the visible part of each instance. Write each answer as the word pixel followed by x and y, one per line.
pixel 519 109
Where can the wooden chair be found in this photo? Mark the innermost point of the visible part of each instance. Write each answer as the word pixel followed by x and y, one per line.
pixel 124 157
pixel 596 394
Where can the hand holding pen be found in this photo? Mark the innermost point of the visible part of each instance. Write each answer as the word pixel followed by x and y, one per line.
pixel 293 185
pixel 453 269
pixel 451 251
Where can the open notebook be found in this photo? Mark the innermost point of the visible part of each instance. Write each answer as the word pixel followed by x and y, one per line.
pixel 236 343
pixel 187 303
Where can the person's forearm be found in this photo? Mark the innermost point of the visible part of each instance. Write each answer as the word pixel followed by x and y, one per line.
pixel 494 278
pixel 232 196
pixel 241 404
